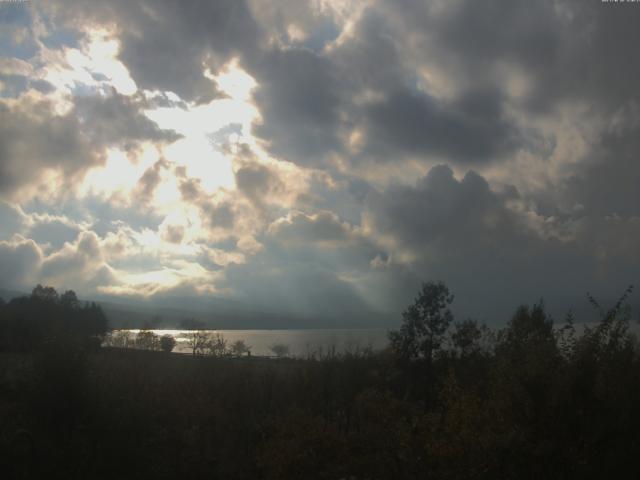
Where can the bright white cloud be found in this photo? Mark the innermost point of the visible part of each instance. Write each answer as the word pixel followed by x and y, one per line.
pixel 94 64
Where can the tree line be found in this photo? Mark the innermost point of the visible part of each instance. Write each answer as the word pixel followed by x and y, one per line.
pixel 30 323
pixel 198 342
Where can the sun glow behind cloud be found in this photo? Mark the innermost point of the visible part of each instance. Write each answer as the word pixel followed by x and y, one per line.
pixel 118 175
pixel 202 158
pixel 175 244
pixel 155 281
pixel 94 64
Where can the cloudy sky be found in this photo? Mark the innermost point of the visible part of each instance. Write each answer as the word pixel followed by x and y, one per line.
pixel 322 158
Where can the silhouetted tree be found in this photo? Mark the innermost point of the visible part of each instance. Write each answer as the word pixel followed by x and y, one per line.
pixel 467 336
pixel 197 338
pixel 147 340
pixel 120 339
pixel 94 319
pixel 529 332
pixel 216 345
pixel 45 317
pixel 239 348
pixel 44 294
pixel 167 343
pixel 614 323
pixel 198 341
pixel 280 349
pixel 424 323
pixel 69 299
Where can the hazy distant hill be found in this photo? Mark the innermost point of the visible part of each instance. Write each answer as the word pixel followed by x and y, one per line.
pixel 7 295
pixel 134 315
pixel 217 313
pixel 221 313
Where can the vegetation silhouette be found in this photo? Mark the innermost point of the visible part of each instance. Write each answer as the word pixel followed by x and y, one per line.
pixel 33 322
pixel 239 348
pixel 167 343
pixel 448 399
pixel 280 350
pixel 424 324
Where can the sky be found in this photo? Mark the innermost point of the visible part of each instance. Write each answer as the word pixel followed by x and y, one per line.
pixel 321 158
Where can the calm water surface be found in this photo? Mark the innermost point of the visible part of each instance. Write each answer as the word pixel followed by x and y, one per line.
pixel 299 342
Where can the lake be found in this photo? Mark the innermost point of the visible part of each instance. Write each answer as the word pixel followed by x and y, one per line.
pixel 301 343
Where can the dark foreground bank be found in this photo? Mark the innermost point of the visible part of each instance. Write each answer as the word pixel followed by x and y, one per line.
pixel 447 400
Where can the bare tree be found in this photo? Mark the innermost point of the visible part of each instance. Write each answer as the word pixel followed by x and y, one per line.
pixel 217 345
pixel 119 339
pixel 239 348
pixel 147 340
pixel 198 341
pixel 197 337
pixel 69 299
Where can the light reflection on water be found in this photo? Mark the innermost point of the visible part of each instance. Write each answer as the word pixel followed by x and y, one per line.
pixel 301 343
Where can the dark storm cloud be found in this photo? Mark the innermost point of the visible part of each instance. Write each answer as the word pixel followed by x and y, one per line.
pixel 566 51
pixel 309 101
pixel 443 211
pixel 482 33
pixel 609 183
pixel 471 129
pixel 298 96
pixel 487 248
pixel 592 58
pixel 571 49
pixel 306 98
